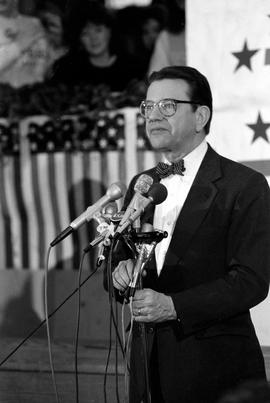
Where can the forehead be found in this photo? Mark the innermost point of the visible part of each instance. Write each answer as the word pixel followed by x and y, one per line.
pixel 94 25
pixel 168 88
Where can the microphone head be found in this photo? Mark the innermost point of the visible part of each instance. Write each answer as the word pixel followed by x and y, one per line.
pixel 157 193
pixel 116 190
pixel 143 183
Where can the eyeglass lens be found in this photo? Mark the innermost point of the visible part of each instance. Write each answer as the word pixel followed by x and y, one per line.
pixel 166 107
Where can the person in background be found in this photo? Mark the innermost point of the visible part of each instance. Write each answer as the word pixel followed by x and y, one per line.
pixel 52 18
pixel 211 269
pixel 92 58
pixel 170 46
pixel 23 47
pixel 138 28
pixel 152 22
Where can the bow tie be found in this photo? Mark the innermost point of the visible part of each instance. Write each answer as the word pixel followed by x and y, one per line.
pixel 163 170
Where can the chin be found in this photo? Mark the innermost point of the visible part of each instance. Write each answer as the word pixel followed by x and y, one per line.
pixel 159 145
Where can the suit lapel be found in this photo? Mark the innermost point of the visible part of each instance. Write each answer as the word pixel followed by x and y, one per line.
pixel 201 195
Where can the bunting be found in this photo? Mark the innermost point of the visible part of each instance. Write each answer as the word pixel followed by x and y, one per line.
pixel 229 42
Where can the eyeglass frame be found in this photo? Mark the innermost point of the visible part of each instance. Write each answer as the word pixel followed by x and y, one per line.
pixel 177 101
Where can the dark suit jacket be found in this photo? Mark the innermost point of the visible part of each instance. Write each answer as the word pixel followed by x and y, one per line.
pixel 216 268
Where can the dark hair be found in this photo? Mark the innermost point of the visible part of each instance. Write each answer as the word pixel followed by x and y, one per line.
pixel 155 12
pixel 199 87
pixel 88 12
pixel 98 14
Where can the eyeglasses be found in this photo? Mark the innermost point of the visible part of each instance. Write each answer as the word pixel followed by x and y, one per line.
pixel 167 107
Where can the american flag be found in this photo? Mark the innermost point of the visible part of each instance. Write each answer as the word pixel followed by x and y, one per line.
pixel 52 170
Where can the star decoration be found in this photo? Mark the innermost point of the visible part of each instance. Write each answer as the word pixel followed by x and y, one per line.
pixel 121 143
pixel 140 142
pixel 259 129
pixel 111 132
pixel 244 56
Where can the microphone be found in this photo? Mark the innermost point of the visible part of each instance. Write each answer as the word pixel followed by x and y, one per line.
pixel 114 192
pixel 141 187
pixel 105 215
pixel 156 195
pixel 105 229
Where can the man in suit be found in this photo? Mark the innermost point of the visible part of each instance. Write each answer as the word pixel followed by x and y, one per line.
pixel 213 266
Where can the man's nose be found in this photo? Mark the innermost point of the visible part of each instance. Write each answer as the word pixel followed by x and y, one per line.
pixel 155 114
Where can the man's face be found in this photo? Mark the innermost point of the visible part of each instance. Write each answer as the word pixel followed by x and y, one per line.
pixel 171 135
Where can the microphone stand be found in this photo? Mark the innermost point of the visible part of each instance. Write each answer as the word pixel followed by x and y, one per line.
pixel 145 250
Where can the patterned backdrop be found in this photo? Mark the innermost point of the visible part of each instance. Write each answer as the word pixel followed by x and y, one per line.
pixel 51 171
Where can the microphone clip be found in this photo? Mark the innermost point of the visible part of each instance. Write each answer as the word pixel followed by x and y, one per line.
pixel 148 237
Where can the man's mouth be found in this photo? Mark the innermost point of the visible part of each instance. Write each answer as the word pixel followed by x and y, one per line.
pixel 157 129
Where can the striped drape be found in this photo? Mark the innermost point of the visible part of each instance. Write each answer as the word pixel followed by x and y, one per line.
pixel 52 170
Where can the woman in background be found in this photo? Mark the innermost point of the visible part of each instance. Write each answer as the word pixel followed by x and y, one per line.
pixel 92 59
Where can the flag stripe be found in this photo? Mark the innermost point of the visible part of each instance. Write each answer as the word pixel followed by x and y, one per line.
pixel 40 211
pixel 78 200
pixel 46 205
pixel 55 209
pixel 12 211
pixel 62 206
pixel 22 213
pixel 7 231
pixel 30 207
pixel 2 220
pixel 95 189
pixel 91 187
pixel 71 205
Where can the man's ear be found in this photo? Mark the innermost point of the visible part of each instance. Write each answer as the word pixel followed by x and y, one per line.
pixel 202 117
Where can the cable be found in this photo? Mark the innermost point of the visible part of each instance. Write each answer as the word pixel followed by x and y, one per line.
pixel 78 327
pixel 107 361
pixel 145 348
pixel 48 326
pixel 44 321
pixel 116 355
pixel 127 349
pixel 113 320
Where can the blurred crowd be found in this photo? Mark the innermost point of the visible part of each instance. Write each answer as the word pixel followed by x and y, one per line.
pixel 84 46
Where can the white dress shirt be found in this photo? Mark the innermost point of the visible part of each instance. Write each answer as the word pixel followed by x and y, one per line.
pixel 178 187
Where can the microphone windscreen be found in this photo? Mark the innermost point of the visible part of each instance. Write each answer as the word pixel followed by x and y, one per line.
pixel 157 193
pixel 143 183
pixel 116 190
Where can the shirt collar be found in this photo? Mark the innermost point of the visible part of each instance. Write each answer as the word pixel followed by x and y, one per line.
pixel 193 160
